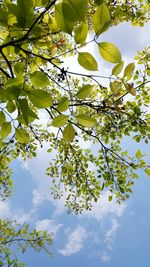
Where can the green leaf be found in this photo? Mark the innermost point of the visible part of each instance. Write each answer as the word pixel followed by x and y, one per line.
pixel 81 33
pixel 129 71
pixel 24 13
pixel 87 61
pixel 101 19
pixel 6 129
pixel 118 68
pixel 23 104
pixel 19 68
pixel 74 10
pixel 22 136
pixel 2 118
pixel 14 82
pixel 60 120
pixel 61 21
pixel 85 91
pixel 40 98
pixel 11 107
pixel 69 133
pixel 138 154
pixel 12 92
pixel 147 171
pixel 63 104
pixel 86 120
pixel 109 52
pixel 39 79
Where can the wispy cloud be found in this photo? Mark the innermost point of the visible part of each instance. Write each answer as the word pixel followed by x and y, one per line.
pixel 103 208
pixel 104 256
pixel 50 226
pixel 75 241
pixel 111 233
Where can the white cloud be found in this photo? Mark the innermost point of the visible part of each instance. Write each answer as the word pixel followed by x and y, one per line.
pixel 6 212
pixel 104 256
pixel 103 208
pixel 48 225
pixel 111 233
pixel 75 241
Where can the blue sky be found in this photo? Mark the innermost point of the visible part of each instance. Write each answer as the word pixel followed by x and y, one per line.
pixel 110 235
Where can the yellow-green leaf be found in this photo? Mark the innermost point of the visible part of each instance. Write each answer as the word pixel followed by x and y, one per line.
pixel 61 21
pixel 85 91
pixel 69 133
pixel 147 171
pixel 118 68
pixel 129 71
pixel 39 79
pixel 22 136
pixel 101 19
pixel 63 104
pixel 87 61
pixel 40 98
pixel 86 120
pixel 6 129
pixel 109 52
pixel 60 120
pixel 2 118
pixel 74 10
pixel 81 33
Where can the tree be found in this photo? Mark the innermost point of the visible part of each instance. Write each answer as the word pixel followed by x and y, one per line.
pixel 36 37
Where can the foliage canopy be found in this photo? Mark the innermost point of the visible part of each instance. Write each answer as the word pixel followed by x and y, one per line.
pixel 35 38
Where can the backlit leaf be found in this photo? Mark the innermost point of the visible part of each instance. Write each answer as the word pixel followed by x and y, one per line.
pixel 6 129
pixel 117 69
pixel 86 120
pixel 69 133
pixel 63 104
pixel 129 71
pixel 110 52
pixel 22 136
pixel 85 91
pixel 101 19
pixel 40 98
pixel 2 118
pixel 87 61
pixel 81 33
pixel 61 21
pixel 60 120
pixel 74 10
pixel 39 79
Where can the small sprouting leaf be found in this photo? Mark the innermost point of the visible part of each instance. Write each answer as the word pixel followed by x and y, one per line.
pixel 86 120
pixel 81 33
pixel 85 91
pixel 22 136
pixel 129 71
pixel 6 129
pixel 2 118
pixel 101 19
pixel 87 61
pixel 130 88
pixel 110 52
pixel 117 69
pixel 69 133
pixel 40 98
pixel 60 120
pixel 110 198
pixel 147 171
pixel 63 104
pixel 39 79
